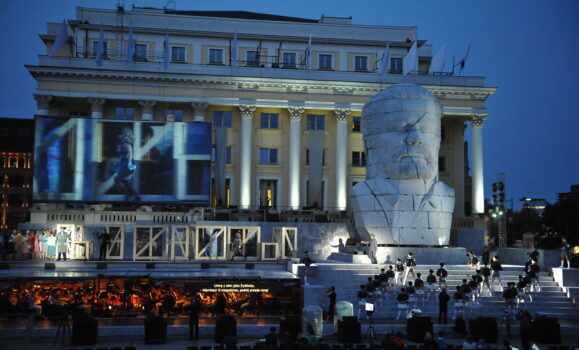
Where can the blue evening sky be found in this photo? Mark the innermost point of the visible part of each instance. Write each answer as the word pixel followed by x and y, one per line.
pixel 528 49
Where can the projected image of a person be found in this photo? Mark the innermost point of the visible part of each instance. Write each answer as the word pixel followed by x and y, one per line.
pixel 126 167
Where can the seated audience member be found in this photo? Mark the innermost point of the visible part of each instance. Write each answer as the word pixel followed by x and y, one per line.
pixel 469 343
pixel 441 341
pixel 459 327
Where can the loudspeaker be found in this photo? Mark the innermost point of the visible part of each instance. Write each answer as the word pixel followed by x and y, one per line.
pixel 205 265
pixel 85 331
pixel 49 266
pixel 150 266
pixel 291 324
pixel 4 266
pixel 101 266
pixel 155 330
pixel 546 330
pixel 417 326
pixel 249 266
pixel 349 330
pixel 484 327
pixel 226 324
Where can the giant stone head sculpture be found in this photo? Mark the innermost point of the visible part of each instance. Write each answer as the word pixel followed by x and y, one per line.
pixel 401 128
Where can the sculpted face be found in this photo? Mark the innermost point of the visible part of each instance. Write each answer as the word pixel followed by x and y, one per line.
pixel 403 143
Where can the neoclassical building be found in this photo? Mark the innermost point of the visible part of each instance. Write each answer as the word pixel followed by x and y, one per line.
pixel 254 75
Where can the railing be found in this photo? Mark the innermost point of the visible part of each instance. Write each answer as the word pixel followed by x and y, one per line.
pixel 264 61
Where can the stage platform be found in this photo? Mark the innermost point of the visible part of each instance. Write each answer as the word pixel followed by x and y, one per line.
pixel 74 269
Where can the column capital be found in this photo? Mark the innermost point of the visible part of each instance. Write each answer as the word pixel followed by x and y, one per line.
pixel 247 111
pixel 296 112
pixel 96 103
pixel 199 107
pixel 478 119
pixel 342 114
pixel 147 103
pixel 43 101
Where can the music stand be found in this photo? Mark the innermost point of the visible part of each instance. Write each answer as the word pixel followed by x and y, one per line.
pixel 64 326
pixel 370 332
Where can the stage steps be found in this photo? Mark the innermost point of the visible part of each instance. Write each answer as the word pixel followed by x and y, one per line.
pixel 347 278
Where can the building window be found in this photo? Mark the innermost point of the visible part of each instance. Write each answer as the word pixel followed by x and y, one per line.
pixel 323 157
pixel 78 114
pixel 315 122
pixel 222 119
pixel 358 159
pixel 396 65
pixel 361 63
pixel 441 164
pixel 95 48
pixel 325 61
pixel 173 115
pixel 289 60
pixel 227 154
pixel 251 58
pixel 356 124
pixel 215 56
pixel 141 52
pixel 268 156
pixel 269 121
pixel 177 54
pixel 124 113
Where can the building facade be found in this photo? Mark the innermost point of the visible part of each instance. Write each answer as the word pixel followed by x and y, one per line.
pixel 257 76
pixel 16 145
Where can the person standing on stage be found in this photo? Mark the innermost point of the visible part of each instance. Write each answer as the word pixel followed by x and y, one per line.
pixel 496 268
pixel 442 273
pixel 62 238
pixel 443 299
pixel 105 241
pixel 331 294
pixel 372 249
pixel 399 267
pixel 193 309
pixel 565 248
pixel 486 273
pixel 430 284
pixel 410 264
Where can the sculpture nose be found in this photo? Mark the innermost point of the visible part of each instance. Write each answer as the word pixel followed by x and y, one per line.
pixel 414 138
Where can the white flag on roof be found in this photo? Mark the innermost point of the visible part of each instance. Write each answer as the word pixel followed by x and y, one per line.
pixel 61 39
pixel 308 54
pixel 410 62
pixel 101 47
pixel 131 45
pixel 167 52
pixel 234 50
pixel 383 68
pixel 437 64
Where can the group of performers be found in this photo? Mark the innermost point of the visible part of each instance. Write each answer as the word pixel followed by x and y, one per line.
pixel 410 289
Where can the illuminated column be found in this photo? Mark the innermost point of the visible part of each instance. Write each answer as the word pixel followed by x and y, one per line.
pixel 147 109
pixel 245 156
pixel 199 111
pixel 96 107
pixel 43 104
pixel 478 195
pixel 295 115
pixel 458 167
pixel 342 115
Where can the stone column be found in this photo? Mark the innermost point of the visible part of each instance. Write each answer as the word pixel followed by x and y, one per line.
pixel 199 111
pixel 147 109
pixel 96 107
pixel 43 104
pixel 295 115
pixel 245 156
pixel 478 193
pixel 342 115
pixel 458 167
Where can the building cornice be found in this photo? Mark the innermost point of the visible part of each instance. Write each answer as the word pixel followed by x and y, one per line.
pixel 252 83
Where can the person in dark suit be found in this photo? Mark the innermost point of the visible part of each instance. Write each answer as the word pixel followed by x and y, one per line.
pixel 443 299
pixel 194 308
